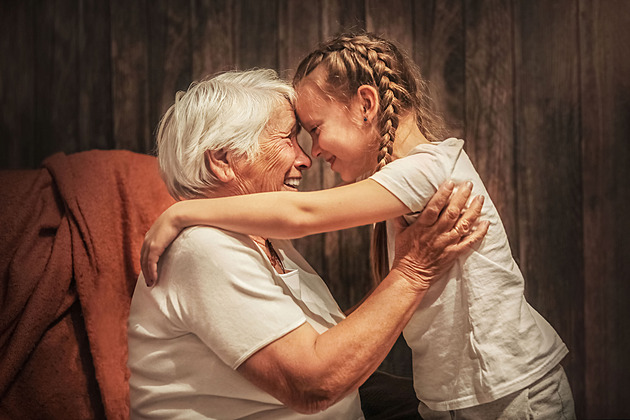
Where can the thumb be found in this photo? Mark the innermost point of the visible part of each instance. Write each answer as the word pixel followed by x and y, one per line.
pixel 400 224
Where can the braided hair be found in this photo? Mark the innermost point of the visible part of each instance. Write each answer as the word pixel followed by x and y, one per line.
pixel 352 60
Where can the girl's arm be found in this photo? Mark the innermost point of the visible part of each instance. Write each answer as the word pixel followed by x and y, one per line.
pixel 283 215
pixel 289 215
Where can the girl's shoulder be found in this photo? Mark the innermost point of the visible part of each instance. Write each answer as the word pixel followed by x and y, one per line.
pixel 448 147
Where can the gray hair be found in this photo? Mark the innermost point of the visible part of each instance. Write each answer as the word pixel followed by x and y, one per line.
pixel 228 112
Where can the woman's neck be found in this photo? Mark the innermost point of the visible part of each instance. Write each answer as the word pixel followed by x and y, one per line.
pixel 408 136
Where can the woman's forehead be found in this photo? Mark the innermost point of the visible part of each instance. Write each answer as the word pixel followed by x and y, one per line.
pixel 283 119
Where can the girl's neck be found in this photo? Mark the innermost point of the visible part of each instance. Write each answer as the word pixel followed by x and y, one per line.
pixel 408 136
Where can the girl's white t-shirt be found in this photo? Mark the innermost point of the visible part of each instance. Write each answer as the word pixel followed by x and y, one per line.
pixel 474 338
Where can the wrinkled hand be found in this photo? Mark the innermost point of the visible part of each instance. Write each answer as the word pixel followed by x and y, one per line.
pixel 163 231
pixel 444 231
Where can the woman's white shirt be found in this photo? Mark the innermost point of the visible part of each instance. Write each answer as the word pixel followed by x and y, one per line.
pixel 219 301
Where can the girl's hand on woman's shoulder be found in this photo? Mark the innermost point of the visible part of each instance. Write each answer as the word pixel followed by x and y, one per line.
pixel 163 231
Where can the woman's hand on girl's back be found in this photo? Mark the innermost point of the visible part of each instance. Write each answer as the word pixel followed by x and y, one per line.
pixel 444 231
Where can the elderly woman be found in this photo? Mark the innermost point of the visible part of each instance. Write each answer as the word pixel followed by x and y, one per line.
pixel 241 326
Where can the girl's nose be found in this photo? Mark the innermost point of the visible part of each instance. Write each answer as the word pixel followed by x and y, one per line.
pixel 315 149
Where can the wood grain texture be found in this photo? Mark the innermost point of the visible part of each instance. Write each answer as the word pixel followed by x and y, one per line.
pixel 549 174
pixel 130 68
pixel 170 56
pixel 605 94
pixel 56 88
pixel 392 20
pixel 212 37
pixel 94 76
pixel 17 85
pixel 257 33
pixel 539 91
pixel 342 16
pixel 439 52
pixel 489 104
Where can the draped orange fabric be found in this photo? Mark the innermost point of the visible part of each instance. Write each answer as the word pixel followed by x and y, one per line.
pixel 70 238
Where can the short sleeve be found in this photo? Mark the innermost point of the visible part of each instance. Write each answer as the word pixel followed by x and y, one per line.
pixel 414 179
pixel 219 288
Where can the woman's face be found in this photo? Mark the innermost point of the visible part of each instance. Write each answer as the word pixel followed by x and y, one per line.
pixel 280 161
pixel 339 134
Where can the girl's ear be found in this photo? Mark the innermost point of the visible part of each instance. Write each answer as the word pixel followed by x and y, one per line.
pixel 220 162
pixel 368 96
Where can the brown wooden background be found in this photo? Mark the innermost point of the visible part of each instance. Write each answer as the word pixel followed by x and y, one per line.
pixel 539 89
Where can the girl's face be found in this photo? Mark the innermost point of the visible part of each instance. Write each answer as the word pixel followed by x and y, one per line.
pixel 339 134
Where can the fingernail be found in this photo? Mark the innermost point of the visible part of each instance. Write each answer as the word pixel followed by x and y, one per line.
pixel 480 199
pixel 450 184
pixel 469 185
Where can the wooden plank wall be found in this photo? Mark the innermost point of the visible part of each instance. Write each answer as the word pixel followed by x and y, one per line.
pixel 540 91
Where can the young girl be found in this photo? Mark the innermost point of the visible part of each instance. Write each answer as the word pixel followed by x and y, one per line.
pixel 478 347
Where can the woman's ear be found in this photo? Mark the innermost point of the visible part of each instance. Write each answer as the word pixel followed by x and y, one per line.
pixel 368 95
pixel 219 162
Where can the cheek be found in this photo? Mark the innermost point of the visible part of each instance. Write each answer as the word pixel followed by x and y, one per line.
pixel 275 162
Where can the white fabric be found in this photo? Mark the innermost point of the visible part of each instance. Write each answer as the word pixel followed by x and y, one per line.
pixel 219 301
pixel 474 338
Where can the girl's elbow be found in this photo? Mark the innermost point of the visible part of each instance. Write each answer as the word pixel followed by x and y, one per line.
pixel 299 224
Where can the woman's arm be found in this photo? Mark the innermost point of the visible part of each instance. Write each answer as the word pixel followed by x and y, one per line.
pixel 309 372
pixel 283 215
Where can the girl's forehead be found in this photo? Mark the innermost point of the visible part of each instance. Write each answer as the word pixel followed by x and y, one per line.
pixel 310 96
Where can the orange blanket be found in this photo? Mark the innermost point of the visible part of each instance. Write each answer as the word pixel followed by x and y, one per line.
pixel 70 237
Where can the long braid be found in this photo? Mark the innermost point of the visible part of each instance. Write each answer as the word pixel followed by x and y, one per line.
pixel 354 60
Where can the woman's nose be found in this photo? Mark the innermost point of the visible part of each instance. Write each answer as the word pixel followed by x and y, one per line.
pixel 302 160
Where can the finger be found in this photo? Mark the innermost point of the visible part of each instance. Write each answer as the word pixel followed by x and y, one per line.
pixel 475 236
pixel 470 216
pixel 147 271
pixel 400 224
pixel 152 268
pixel 436 204
pixel 457 203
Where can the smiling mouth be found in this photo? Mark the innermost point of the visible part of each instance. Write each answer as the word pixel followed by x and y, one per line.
pixel 293 183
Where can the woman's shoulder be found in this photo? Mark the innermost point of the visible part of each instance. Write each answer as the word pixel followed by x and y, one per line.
pixel 208 240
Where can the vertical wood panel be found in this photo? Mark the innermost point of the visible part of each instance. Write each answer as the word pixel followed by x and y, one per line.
pixel 549 177
pixel 130 69
pixel 257 33
pixel 342 16
pixel 392 20
pixel 170 57
pixel 439 51
pixel 605 52
pixel 489 129
pixel 95 101
pixel 299 31
pixel 17 84
pixel 56 87
pixel 212 30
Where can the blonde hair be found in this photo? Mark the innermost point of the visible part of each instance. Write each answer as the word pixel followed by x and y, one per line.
pixel 229 112
pixel 353 60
